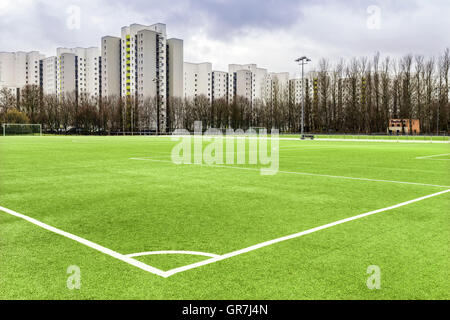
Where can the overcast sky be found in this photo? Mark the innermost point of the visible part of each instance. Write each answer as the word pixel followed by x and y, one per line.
pixel 267 32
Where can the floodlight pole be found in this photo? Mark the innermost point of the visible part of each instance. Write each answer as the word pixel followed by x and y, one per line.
pixel 303 61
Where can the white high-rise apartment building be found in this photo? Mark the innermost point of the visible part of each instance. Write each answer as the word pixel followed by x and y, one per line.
pixel 143 61
pixel 141 56
pixel 219 85
pixel 111 67
pixel 244 85
pixel 79 71
pixel 18 69
pixel 49 75
pixel 295 91
pixel 296 87
pixel 175 68
pixel 279 85
pixel 143 65
pixel 66 83
pixel 248 81
pixel 197 80
pixel 312 81
pixel 7 70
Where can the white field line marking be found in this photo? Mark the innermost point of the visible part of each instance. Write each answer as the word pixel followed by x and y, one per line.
pixel 434 156
pixel 382 140
pixel 297 235
pixel 88 243
pixel 300 147
pixel 335 146
pixel 166 274
pixel 191 253
pixel 298 173
pixel 316 139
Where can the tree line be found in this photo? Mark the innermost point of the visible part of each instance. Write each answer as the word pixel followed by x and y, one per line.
pixel 355 96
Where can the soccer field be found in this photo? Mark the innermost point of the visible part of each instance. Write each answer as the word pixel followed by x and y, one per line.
pixel 141 227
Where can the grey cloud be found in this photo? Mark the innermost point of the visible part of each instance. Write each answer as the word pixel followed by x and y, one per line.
pixel 234 15
pixel 328 28
pixel 224 17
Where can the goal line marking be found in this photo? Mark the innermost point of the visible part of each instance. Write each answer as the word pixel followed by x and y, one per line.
pixel 215 258
pixel 298 173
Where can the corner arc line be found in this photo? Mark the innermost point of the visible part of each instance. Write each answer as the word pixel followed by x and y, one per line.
pixel 154 253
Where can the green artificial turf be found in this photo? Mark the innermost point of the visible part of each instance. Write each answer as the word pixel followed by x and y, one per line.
pixel 90 187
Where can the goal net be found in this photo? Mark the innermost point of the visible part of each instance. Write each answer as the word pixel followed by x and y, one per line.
pixel 13 129
pixel 260 130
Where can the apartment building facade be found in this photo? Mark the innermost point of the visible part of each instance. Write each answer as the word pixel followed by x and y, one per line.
pixel 143 66
pixel 296 91
pixel 219 85
pixel 198 80
pixel 66 83
pixel 18 69
pixel 111 66
pixel 278 85
pixel 243 85
pixel 248 81
pixel 79 72
pixel 175 68
pixel 144 62
pixel 49 75
pixel 297 88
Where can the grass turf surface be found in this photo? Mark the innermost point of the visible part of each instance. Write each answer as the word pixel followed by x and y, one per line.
pixel 88 186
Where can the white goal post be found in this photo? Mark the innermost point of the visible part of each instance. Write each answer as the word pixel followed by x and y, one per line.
pixel 16 129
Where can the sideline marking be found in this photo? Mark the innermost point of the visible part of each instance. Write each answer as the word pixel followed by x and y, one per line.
pixel 166 274
pixel 296 172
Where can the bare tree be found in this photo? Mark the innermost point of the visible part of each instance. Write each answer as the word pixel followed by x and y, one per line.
pixel 51 112
pixel 429 83
pixel 68 108
pixel 406 110
pixel 442 121
pixel 419 88
pixel 7 101
pixel 30 102
pixel 324 117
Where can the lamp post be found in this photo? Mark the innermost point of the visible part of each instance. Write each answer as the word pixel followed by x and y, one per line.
pixel 303 61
